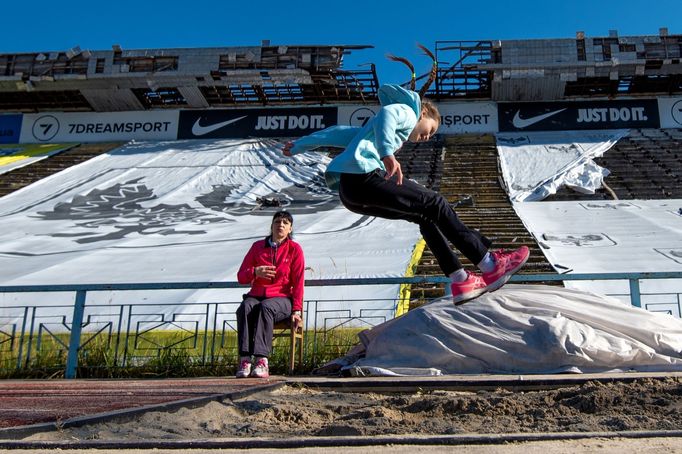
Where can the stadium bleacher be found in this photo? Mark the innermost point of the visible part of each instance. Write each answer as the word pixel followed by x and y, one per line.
pixel 24 176
pixel 465 171
pixel 644 165
pixel 647 164
pixel 483 89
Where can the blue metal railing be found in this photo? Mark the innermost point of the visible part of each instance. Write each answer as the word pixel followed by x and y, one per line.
pixel 81 290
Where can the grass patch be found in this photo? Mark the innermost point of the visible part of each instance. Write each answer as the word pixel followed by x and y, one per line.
pixel 160 354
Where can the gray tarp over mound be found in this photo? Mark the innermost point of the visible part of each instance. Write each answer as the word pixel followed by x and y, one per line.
pixel 529 329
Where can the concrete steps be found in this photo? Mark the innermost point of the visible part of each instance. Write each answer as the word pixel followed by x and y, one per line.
pixel 24 176
pixel 470 170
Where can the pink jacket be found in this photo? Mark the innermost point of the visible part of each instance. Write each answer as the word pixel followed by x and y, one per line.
pixel 288 282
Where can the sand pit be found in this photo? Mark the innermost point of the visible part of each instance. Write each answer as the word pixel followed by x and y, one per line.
pixel 289 412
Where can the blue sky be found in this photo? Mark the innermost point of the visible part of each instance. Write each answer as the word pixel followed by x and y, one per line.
pixel 59 25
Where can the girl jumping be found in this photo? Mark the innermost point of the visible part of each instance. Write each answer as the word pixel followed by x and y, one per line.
pixel 370 182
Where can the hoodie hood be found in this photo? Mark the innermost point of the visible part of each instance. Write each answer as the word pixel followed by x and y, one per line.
pixel 395 94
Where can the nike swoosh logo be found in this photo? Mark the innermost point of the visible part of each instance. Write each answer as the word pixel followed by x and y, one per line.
pixel 521 123
pixel 199 130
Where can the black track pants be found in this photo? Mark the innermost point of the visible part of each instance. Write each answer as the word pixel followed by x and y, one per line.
pixel 373 195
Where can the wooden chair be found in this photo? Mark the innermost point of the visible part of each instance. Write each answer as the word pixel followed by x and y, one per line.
pixel 284 329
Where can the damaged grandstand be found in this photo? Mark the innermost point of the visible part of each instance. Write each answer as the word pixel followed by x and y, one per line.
pixel 146 166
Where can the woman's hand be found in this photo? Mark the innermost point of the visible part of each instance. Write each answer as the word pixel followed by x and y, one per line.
pixel 296 319
pixel 286 151
pixel 265 271
pixel 393 168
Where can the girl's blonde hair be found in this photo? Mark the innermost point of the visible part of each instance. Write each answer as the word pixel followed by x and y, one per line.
pixel 429 110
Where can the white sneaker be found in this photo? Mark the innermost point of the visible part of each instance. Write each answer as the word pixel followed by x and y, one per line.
pixel 261 370
pixel 244 368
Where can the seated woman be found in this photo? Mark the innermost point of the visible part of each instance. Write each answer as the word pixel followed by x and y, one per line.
pixel 274 267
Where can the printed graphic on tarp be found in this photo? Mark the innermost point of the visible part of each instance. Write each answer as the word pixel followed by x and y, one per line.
pixel 236 123
pixel 468 117
pixel 10 128
pixel 188 211
pixel 670 110
pixel 536 164
pixel 578 115
pixel 614 236
pixel 20 155
pixel 99 126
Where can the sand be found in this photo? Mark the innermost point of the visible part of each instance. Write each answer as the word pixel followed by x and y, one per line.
pixel 290 412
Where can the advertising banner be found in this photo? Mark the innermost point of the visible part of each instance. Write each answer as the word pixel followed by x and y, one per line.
pixel 670 110
pixel 10 128
pixel 578 115
pixel 456 118
pixel 468 117
pixel 98 127
pixel 356 115
pixel 243 123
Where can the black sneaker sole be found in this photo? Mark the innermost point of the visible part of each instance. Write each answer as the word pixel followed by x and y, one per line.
pixel 466 297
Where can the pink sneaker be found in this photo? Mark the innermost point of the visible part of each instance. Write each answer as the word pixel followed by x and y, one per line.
pixel 506 264
pixel 473 286
pixel 244 368
pixel 261 370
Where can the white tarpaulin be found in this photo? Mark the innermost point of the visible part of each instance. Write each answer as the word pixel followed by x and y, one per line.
pixel 188 212
pixel 536 164
pixel 522 329
pixel 618 236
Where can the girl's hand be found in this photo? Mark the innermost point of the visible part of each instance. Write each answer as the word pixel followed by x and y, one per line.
pixel 393 168
pixel 265 271
pixel 286 151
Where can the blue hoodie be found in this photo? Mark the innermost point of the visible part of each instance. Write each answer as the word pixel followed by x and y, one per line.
pixel 365 146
